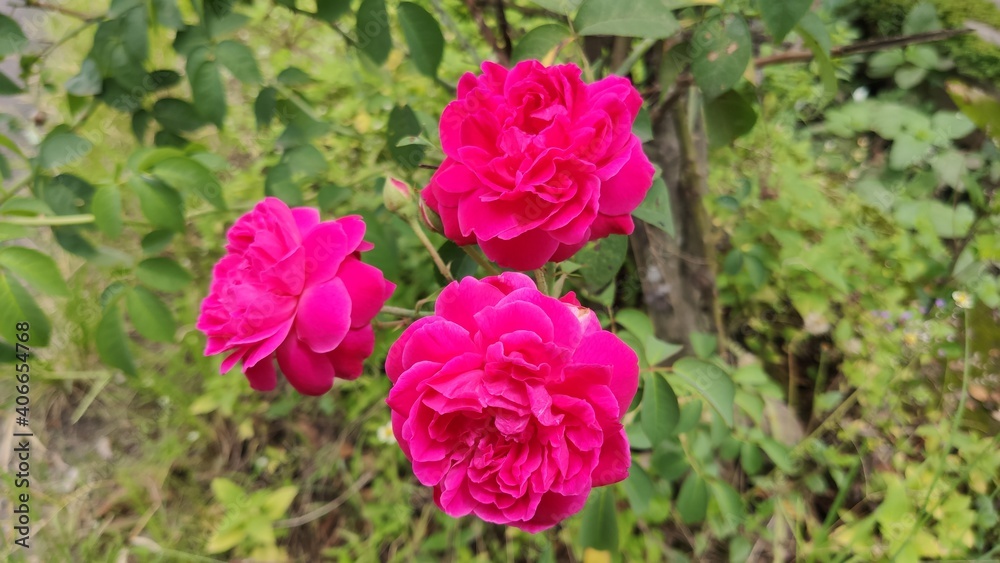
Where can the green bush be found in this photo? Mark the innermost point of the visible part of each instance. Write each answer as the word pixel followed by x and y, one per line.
pixel 974 57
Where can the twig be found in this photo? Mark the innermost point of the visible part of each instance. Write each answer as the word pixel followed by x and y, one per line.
pixel 486 32
pixel 422 236
pixel 508 45
pixel 328 507
pixel 35 4
pixel 860 47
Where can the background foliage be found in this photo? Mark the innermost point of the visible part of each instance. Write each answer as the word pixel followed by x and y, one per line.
pixel 844 407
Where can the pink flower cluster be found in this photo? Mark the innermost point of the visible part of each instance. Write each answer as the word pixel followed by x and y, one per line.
pixel 294 288
pixel 538 163
pixel 508 402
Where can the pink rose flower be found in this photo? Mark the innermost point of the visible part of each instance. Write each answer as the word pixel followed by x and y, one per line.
pixel 538 162
pixel 294 288
pixel 509 402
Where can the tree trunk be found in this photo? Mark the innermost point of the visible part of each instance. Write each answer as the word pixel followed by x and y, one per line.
pixel 677 272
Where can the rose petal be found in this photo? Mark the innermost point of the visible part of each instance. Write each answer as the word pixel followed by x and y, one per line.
pixel 308 372
pixel 324 316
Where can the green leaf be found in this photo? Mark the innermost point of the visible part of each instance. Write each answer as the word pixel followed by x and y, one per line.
pixel 163 274
pixel 885 63
pixel 140 124
pixel 150 317
pixel 639 489
pixel 635 321
pixel 703 344
pixel 293 77
pixel 601 260
pixel 562 7
pixel 728 117
pixel 952 125
pixel 177 116
pixel 160 204
pixel 107 209
pixel 238 60
pixel 305 162
pixel 660 411
pixel 906 151
pixel 649 19
pixel 655 209
pixel 227 492
pixel 404 123
pixel 813 27
pixel 279 183
pixel 167 14
pixel 277 502
pixel 907 77
pixel 112 342
pixel 756 270
pixel 87 82
pixel 781 16
pixel 186 174
pixel 949 166
pixel 730 505
pixel 17 305
pixel 156 241
pixel 722 54
pixel 599 527
pixel 8 87
pixel 923 56
pixel 61 148
pixel 423 36
pixel 692 499
pixel 207 89
pixel 12 39
pixel 35 268
pixel 331 10
pixel 539 42
pixel 710 382
pixel 264 107
pixel 751 458
pixel 372 30
pixel 922 18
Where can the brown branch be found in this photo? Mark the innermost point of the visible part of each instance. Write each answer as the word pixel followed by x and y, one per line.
pixel 35 4
pixel 869 46
pixel 508 45
pixel 685 79
pixel 487 33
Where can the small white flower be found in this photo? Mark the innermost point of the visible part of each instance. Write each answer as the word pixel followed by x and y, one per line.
pixel 962 299
pixel 193 435
pixel 815 323
pixel 384 434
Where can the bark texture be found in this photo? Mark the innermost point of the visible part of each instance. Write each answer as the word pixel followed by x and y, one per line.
pixel 676 272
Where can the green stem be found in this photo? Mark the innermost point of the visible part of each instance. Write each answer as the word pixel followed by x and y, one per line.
pixel 46 221
pixel 541 280
pixel 442 267
pixel 480 259
pixel 955 423
pixel 401 312
pixel 634 56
